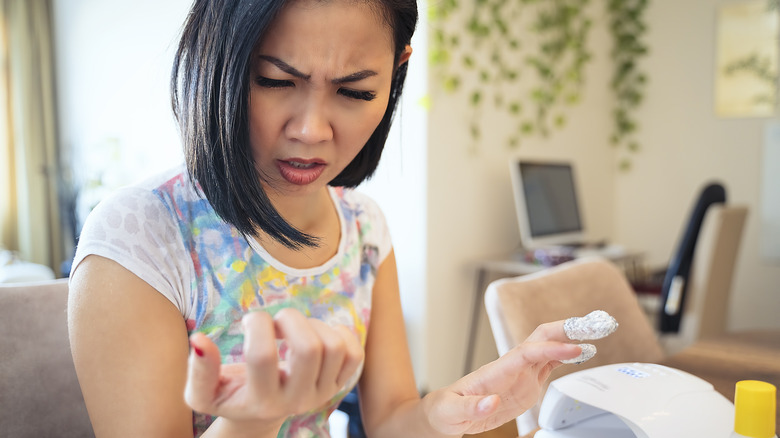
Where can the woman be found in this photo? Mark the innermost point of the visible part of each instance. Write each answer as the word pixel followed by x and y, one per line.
pixel 248 293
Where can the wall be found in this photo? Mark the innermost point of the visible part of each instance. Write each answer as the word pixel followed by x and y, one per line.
pixel 686 145
pixel 470 206
pixel 113 67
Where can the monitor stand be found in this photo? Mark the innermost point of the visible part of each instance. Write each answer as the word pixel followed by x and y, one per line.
pixel 547 256
pixel 556 254
pixel 580 245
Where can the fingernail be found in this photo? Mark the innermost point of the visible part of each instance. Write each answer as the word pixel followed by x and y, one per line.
pixel 588 351
pixel 484 404
pixel 197 350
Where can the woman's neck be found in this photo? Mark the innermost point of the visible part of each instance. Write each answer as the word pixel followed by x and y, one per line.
pixel 315 215
pixel 305 213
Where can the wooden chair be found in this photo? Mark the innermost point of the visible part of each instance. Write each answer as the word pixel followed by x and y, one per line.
pixel 709 284
pixel 39 391
pixel 516 306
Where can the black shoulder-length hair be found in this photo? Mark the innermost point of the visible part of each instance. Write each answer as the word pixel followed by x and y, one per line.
pixel 209 95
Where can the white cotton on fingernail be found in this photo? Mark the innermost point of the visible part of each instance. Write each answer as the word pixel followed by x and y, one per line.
pixel 595 325
pixel 588 351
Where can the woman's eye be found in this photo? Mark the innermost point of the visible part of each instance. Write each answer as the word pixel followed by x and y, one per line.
pixel 272 83
pixel 355 94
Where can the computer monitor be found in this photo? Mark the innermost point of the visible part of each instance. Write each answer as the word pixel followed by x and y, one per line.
pixel 548 213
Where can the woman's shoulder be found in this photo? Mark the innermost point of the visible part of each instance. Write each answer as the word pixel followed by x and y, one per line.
pixel 143 198
pixel 135 228
pixel 362 210
pixel 358 202
pixel 140 212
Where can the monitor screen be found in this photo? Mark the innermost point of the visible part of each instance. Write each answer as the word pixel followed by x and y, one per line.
pixel 546 201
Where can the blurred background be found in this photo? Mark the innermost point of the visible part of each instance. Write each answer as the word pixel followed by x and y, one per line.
pixel 85 109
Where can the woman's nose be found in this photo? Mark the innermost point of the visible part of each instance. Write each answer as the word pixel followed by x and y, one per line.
pixel 311 123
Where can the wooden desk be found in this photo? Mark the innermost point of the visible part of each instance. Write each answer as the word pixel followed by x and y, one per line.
pixel 727 359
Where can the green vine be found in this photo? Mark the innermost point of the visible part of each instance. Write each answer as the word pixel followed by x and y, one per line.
pixel 559 63
pixel 627 27
pixel 485 54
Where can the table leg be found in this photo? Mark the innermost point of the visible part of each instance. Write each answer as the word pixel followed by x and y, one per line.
pixel 479 297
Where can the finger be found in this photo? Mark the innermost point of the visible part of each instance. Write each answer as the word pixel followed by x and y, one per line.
pixel 588 351
pixel 456 413
pixel 304 357
pixel 532 353
pixel 202 374
pixel 551 331
pixel 479 407
pixel 469 408
pixel 260 355
pixel 595 325
pixel 334 352
pixel 354 355
pixel 543 357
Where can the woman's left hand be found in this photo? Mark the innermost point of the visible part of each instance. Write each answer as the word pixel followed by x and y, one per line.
pixel 503 389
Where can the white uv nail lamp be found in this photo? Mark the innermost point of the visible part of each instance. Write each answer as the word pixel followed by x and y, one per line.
pixel 634 400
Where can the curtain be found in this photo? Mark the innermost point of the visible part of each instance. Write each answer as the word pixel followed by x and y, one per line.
pixel 29 206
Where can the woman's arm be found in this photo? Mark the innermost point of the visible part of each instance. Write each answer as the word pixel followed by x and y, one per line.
pixel 482 400
pixel 389 401
pixel 130 350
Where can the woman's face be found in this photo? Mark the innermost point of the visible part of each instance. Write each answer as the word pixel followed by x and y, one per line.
pixel 320 83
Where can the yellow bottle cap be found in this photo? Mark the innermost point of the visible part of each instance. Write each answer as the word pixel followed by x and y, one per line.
pixel 754 409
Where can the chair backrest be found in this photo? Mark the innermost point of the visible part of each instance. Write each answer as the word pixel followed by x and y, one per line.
pixel 39 391
pixel 675 285
pixel 710 278
pixel 516 306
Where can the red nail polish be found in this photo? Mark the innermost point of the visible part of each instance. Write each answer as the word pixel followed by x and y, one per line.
pixel 197 350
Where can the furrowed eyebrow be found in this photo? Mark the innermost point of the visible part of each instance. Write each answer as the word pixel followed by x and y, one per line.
pixel 354 77
pixel 287 68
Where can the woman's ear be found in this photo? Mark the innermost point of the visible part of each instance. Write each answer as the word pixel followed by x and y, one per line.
pixel 404 55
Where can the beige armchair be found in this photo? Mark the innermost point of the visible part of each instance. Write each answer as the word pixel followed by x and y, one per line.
pixel 39 392
pixel 516 306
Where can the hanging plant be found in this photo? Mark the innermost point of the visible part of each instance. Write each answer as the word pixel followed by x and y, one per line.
pixel 627 27
pixel 548 74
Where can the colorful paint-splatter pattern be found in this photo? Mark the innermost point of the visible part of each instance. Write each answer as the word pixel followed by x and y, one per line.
pixel 215 276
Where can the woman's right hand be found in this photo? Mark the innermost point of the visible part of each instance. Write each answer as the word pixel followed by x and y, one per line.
pixel 259 394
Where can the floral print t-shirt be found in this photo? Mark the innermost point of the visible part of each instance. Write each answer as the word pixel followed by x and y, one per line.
pixel 165 232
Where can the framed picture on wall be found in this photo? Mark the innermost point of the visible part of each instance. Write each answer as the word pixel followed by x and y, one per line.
pixel 748 41
pixel 770 194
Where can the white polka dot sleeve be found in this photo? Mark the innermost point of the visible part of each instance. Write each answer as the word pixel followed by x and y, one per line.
pixel 133 228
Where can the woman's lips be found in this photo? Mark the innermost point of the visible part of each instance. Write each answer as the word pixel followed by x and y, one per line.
pixel 300 171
